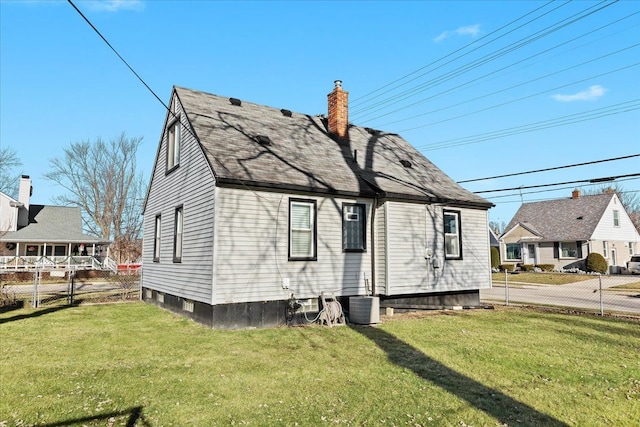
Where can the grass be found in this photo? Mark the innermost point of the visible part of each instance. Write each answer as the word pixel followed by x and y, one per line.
pixel 627 287
pixel 541 278
pixel 134 364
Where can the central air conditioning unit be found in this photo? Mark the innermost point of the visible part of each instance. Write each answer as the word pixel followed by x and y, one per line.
pixel 364 310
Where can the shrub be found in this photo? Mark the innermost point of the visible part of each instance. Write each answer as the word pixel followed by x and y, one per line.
pixel 526 267
pixel 495 257
pixel 508 267
pixel 596 263
pixel 546 267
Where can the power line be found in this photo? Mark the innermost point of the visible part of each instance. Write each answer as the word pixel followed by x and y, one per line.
pixel 623 107
pixel 592 181
pixel 523 98
pixel 494 74
pixel 492 56
pixel 355 101
pixel 552 168
pixel 558 189
pixel 119 56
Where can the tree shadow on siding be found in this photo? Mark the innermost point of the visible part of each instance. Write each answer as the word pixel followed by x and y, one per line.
pixel 493 402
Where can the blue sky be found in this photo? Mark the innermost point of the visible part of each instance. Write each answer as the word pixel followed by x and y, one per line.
pixel 444 75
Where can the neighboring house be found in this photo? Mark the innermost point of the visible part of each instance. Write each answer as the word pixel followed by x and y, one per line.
pixel 563 232
pixel 250 205
pixel 40 235
pixel 493 239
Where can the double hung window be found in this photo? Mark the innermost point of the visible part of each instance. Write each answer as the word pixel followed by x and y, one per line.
pixel 156 239
pixel 452 235
pixel 177 235
pixel 302 229
pixel 173 145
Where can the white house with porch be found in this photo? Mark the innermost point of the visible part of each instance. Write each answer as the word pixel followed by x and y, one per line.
pixel 46 236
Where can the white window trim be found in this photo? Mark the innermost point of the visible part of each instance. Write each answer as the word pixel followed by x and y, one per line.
pixel 457 234
pixel 506 252
pixel 173 145
pixel 157 238
pixel 312 230
pixel 560 256
pixel 178 233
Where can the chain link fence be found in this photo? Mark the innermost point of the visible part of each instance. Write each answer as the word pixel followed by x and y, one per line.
pixel 43 287
pixel 603 294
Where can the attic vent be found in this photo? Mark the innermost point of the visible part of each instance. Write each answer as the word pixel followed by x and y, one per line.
pixel 580 217
pixel 263 140
pixel 235 101
pixel 405 163
pixel 286 113
pixel 372 131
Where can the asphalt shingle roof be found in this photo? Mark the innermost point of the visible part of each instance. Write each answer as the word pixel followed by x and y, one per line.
pixel 303 156
pixel 564 219
pixel 52 224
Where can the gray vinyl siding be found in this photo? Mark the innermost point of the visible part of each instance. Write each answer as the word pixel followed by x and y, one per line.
pixel 414 227
pixel 252 249
pixel 192 186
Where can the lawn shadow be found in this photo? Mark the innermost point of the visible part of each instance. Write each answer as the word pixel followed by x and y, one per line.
pixel 37 313
pixel 135 416
pixel 493 402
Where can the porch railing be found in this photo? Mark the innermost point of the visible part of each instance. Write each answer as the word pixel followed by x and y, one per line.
pixel 32 262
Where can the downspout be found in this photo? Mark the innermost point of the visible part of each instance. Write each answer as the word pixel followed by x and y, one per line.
pixel 373 245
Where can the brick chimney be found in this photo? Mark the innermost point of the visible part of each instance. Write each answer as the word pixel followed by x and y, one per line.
pixel 575 194
pixel 338 119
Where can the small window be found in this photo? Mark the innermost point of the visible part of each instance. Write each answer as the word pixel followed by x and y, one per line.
pixel 302 230
pixel 173 145
pixel 605 249
pixel 177 235
pixel 452 235
pixel 631 248
pixel 156 240
pixel 616 218
pixel 568 250
pixel 354 228
pixel 187 305
pixel 514 251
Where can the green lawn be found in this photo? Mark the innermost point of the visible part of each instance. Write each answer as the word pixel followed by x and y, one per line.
pixel 541 278
pixel 134 364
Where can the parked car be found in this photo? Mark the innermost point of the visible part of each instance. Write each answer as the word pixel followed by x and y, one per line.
pixel 633 265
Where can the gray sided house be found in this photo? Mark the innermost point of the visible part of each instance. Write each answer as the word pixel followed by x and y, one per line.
pixel 563 232
pixel 250 206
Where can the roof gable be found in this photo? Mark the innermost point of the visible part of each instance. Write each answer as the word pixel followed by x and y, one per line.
pixel 303 156
pixel 52 224
pixel 563 219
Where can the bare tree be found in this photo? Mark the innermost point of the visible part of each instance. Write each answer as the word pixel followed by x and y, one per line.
pixel 629 200
pixel 497 227
pixel 101 179
pixel 8 178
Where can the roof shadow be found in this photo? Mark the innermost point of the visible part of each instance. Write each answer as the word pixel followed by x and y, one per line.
pixel 493 402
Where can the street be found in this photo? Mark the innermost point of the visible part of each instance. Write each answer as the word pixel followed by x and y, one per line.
pixel 583 294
